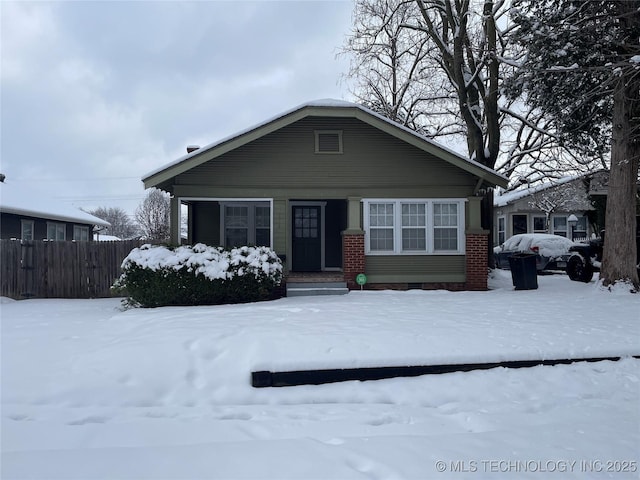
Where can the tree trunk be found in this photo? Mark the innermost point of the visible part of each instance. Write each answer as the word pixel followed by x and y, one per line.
pixel 619 256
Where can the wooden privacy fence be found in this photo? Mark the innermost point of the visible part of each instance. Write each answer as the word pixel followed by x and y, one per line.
pixel 45 269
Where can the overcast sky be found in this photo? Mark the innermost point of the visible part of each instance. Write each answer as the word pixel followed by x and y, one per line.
pixel 95 94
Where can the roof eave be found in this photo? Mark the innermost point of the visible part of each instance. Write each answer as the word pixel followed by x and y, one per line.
pixel 53 216
pixel 198 157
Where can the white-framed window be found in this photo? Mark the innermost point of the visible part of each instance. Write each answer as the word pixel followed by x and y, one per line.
pixel 559 225
pixel 245 223
pixel 445 226
pixel 26 229
pixel 381 226
pixel 539 224
pixel 414 226
pixel 502 230
pixel 328 141
pixel 56 231
pixel 80 233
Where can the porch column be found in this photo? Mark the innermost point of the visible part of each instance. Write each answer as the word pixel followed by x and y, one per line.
pixel 477 269
pixel 174 221
pixel 353 259
pixel 476 247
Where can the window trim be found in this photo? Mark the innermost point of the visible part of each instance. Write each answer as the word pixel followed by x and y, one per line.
pixel 317 134
pixel 430 228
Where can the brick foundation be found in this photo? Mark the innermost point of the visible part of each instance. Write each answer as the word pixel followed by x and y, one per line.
pixel 452 287
pixel 476 265
pixel 476 258
pixel 353 258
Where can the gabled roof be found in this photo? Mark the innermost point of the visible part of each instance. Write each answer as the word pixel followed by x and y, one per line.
pixel 21 200
pixel 320 108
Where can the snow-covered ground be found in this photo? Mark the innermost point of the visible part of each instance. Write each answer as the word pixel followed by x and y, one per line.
pixel 89 391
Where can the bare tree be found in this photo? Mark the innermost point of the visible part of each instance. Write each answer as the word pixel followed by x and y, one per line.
pixel 440 67
pixel 121 224
pixel 153 215
pixel 388 67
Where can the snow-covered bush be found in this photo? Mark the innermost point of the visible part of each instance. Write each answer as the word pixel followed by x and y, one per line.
pixel 155 276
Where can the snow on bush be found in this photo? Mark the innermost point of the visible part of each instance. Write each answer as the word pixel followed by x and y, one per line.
pixel 199 275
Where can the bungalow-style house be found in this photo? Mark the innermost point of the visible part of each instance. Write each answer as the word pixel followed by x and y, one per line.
pixel 563 207
pixel 26 215
pixel 334 187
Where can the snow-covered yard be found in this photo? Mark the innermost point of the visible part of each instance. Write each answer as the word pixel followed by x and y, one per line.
pixel 89 391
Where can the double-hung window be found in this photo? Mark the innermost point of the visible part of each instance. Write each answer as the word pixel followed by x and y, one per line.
pixel 418 227
pixel 381 227
pixel 414 227
pixel 246 223
pixel 445 226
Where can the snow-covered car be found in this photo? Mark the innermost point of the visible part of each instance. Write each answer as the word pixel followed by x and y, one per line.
pixel 552 251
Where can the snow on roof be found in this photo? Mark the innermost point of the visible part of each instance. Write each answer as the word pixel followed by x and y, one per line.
pixel 512 196
pixel 322 103
pixel 21 200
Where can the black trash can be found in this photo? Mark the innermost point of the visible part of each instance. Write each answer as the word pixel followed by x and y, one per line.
pixel 523 271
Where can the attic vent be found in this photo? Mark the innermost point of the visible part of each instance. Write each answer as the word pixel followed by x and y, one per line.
pixel 328 141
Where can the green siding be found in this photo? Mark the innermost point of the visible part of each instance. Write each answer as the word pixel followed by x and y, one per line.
pixel 284 163
pixel 283 166
pixel 415 268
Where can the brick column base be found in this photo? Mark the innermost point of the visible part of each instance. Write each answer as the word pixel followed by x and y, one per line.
pixel 476 261
pixel 352 257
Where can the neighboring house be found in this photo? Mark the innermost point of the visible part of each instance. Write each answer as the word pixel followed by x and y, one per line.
pixel 333 186
pixel 26 215
pixel 547 208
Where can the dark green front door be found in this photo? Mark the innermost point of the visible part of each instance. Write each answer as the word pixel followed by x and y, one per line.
pixel 307 239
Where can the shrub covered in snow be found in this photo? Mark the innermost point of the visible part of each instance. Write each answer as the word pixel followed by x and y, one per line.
pixel 156 276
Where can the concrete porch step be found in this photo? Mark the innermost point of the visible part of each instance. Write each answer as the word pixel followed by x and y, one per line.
pixel 300 289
